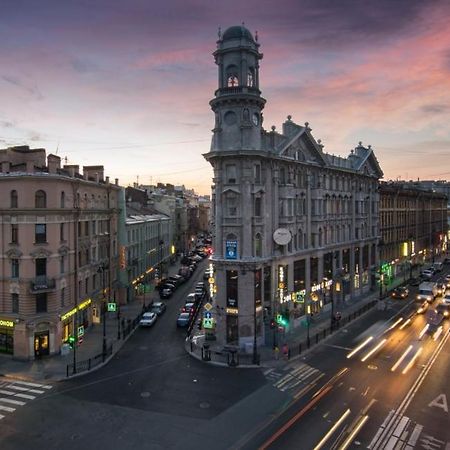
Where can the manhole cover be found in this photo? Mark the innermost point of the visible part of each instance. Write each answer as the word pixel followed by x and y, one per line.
pixel 204 405
pixel 143 347
pixel 145 394
pixel 372 367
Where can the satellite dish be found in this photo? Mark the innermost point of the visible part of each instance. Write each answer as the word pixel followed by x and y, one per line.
pixel 282 236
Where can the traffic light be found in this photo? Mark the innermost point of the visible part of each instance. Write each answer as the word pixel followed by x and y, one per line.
pixel 71 341
pixel 273 324
pixel 283 318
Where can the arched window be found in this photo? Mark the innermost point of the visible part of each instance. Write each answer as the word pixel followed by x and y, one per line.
pixel 258 245
pixel 40 199
pixel 251 77
pixel 14 199
pixel 232 76
pixel 63 200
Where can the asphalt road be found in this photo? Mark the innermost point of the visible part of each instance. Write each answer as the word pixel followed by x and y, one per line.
pixel 367 399
pixel 152 395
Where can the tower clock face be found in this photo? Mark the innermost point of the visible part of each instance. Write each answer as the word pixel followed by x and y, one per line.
pixel 255 118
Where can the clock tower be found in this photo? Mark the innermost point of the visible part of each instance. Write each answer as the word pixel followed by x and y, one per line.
pixel 238 103
pixel 238 155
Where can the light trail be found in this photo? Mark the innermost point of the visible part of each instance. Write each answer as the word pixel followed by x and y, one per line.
pixel 332 430
pixel 355 431
pixel 380 344
pixel 404 324
pixel 410 364
pixel 437 333
pixel 357 349
pixel 395 324
pixel 425 328
pixel 394 367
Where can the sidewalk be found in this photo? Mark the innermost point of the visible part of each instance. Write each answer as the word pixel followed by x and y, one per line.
pixel 55 368
pixel 296 338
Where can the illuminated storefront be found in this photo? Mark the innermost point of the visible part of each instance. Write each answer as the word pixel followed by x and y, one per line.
pixel 6 336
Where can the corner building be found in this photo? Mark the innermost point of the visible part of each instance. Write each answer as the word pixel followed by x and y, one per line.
pixel 295 228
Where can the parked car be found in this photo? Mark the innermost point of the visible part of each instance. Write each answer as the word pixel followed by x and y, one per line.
pixel 206 275
pixel 427 274
pixel 183 319
pixel 158 308
pixel 414 281
pixel 165 293
pixel 148 319
pixel 400 292
pixel 422 308
pixel 188 308
pixel 191 298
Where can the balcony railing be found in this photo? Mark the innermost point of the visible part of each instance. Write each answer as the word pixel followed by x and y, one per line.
pixel 42 284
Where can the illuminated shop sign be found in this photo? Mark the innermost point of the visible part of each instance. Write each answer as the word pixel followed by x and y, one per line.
pixel 6 323
pixel 81 306
pixel 231 250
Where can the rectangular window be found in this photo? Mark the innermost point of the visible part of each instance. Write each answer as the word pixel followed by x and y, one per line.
pixel 86 228
pixel 61 232
pixel 258 206
pixel 86 286
pixel 230 171
pixel 40 233
pixel 93 228
pixel 14 233
pixel 232 208
pixel 61 264
pixel 14 268
pixel 257 174
pixel 232 288
pixel 299 275
pixel 41 303
pixel 15 303
pixel 41 267
pixel 63 293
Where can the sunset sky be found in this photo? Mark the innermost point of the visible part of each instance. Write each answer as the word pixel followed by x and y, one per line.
pixel 127 83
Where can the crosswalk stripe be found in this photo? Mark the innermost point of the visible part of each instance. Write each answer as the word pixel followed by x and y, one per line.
pixel 283 380
pixel 27 383
pixel 299 369
pixel 28 397
pixel 13 402
pixel 290 385
pixel 7 408
pixel 20 388
pixel 308 373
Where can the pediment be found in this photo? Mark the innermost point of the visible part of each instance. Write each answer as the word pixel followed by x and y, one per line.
pixel 63 250
pixel 14 253
pixel 303 147
pixel 231 190
pixel 40 253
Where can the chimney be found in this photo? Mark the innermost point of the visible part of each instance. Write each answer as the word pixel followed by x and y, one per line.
pixel 73 169
pixel 53 163
pixel 107 180
pixel 116 182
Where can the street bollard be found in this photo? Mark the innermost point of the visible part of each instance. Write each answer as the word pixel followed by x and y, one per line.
pixel 300 348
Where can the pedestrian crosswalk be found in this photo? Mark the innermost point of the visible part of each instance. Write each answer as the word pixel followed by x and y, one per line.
pixel 291 377
pixel 14 394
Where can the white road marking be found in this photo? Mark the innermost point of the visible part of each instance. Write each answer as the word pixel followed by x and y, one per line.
pixel 13 402
pixel 415 435
pixel 20 388
pixel 7 408
pixel 28 397
pixel 27 383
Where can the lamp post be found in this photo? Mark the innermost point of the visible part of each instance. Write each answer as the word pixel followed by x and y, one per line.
pixel 102 269
pixel 256 284
pixel 380 245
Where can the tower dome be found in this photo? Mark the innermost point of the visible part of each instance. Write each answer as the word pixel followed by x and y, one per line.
pixel 237 32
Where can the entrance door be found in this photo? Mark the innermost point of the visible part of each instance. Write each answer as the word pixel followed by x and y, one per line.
pixel 41 344
pixel 232 329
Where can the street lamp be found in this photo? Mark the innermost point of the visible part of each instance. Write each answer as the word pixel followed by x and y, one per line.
pixel 161 243
pixel 380 245
pixel 102 269
pixel 256 285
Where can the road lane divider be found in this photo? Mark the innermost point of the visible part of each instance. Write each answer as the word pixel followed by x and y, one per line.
pixel 357 349
pixel 394 324
pixel 406 322
pixel 405 353
pixel 437 333
pixel 424 330
pixel 375 349
pixel 324 440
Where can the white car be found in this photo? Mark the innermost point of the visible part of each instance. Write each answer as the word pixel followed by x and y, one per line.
pixel 148 319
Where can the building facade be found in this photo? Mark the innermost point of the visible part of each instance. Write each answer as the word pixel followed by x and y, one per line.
pixel 295 229
pixel 413 228
pixel 58 250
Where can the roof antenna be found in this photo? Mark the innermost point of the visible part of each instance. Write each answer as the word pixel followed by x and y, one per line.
pixel 57 148
pixel 256 35
pixel 219 32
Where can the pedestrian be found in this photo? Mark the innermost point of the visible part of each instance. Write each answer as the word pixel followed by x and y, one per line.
pixel 285 351
pixel 276 352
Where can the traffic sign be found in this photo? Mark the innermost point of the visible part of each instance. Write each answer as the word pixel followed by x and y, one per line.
pixel 208 306
pixel 211 280
pixel 80 330
pixel 112 307
pixel 207 315
pixel 208 323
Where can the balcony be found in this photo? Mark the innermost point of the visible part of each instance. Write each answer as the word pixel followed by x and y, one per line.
pixel 42 284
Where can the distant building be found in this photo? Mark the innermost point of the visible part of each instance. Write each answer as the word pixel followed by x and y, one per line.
pixel 296 229
pixel 413 227
pixel 59 250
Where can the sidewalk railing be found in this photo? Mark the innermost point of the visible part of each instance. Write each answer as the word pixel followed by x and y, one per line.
pixel 128 326
pixel 233 357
